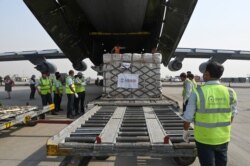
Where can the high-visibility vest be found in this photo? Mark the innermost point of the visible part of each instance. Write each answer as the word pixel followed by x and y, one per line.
pixel 60 87
pixel 194 84
pixel 67 88
pixel 184 91
pixel 45 86
pixel 53 80
pixel 80 87
pixel 212 124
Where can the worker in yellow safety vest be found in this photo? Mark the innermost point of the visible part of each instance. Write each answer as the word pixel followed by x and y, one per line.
pixel 80 90
pixel 54 82
pixel 191 78
pixel 71 93
pixel 44 88
pixel 58 92
pixel 211 108
pixel 187 89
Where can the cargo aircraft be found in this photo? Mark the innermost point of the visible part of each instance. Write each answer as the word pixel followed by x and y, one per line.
pixel 89 28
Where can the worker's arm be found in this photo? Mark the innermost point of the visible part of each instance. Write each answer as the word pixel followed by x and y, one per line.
pixel 186 125
pixel 37 87
pixel 234 108
pixel 57 88
pixel 188 88
pixel 188 116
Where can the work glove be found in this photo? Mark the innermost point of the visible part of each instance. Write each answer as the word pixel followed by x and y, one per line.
pixel 76 95
pixel 186 135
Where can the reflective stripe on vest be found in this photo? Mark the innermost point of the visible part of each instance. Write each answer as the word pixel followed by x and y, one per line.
pixel 67 88
pixel 213 115
pixel 45 86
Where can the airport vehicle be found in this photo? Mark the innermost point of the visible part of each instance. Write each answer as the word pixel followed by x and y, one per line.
pixel 13 115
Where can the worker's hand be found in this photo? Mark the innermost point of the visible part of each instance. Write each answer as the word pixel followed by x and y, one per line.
pixel 76 95
pixel 186 135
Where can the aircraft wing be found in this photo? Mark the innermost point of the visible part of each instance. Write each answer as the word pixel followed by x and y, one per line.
pixel 37 58
pixel 218 55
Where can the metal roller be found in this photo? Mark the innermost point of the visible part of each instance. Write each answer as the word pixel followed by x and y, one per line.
pixel 133 139
pixel 123 129
pixel 133 133
pixel 80 139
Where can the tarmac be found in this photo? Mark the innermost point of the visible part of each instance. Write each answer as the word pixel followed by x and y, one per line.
pixel 26 146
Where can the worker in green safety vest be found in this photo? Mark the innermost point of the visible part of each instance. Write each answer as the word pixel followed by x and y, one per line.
pixel 53 82
pixel 44 88
pixel 211 108
pixel 80 90
pixel 191 78
pixel 58 92
pixel 71 93
pixel 187 89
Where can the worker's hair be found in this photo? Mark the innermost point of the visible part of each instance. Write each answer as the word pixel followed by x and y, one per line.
pixel 190 76
pixel 184 75
pixel 215 69
pixel 71 72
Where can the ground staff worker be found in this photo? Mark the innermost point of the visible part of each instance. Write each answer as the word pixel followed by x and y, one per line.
pixel 187 89
pixel 58 92
pixel 191 78
pixel 80 90
pixel 44 88
pixel 70 91
pixel 53 82
pixel 211 107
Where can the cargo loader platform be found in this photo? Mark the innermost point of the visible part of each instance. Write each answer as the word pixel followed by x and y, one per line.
pixel 11 116
pixel 126 128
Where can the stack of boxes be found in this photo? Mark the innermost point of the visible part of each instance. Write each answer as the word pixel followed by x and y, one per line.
pixel 142 71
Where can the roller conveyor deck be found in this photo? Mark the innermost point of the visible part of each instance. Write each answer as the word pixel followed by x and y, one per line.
pixel 136 129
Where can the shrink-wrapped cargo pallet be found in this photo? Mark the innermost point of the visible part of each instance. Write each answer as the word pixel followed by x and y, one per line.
pixel 132 75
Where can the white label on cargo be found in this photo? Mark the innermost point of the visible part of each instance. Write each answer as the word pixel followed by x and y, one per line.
pixel 125 65
pixel 128 81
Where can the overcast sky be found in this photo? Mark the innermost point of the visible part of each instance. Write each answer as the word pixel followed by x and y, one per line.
pixel 217 24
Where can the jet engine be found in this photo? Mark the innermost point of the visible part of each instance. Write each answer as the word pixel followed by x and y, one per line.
pixel 175 65
pixel 46 66
pixel 82 66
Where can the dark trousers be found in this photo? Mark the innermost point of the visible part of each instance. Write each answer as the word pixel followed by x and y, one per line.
pixel 70 105
pixel 184 106
pixel 212 155
pixel 32 91
pixel 46 99
pixel 80 99
pixel 57 101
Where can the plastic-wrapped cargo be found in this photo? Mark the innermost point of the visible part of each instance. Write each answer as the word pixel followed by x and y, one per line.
pixel 142 71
